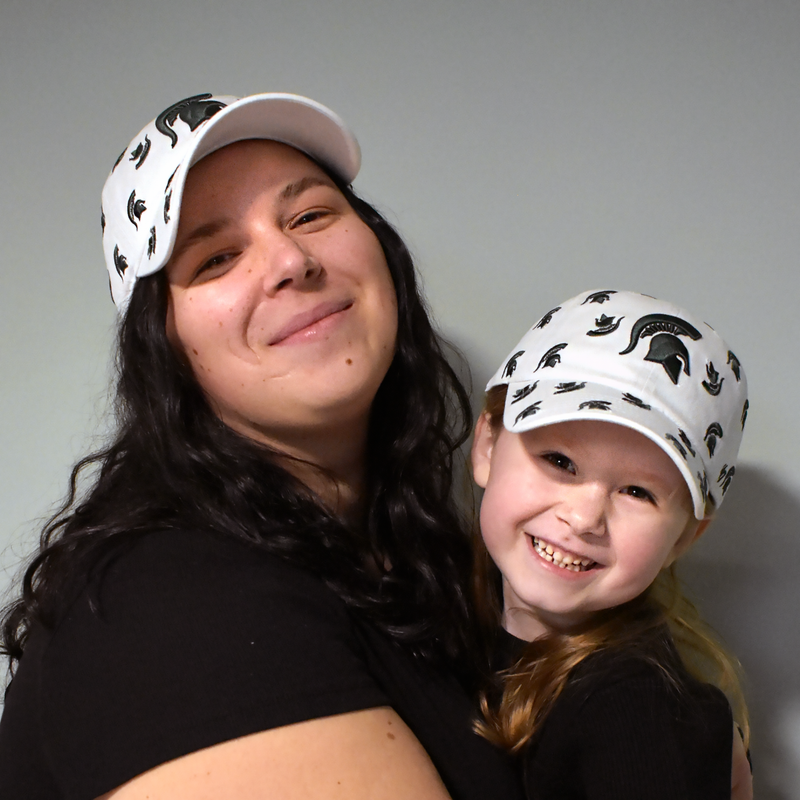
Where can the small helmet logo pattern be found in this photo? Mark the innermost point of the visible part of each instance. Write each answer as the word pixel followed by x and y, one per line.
pixel 643 363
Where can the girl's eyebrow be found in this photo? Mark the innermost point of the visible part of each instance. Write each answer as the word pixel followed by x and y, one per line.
pixel 292 190
pixel 204 231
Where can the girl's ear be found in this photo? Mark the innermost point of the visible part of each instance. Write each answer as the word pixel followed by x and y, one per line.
pixel 482 446
pixel 693 532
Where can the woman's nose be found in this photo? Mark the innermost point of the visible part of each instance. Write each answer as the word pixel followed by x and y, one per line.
pixel 289 265
pixel 583 508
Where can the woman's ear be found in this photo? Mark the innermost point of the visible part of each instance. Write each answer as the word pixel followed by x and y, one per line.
pixel 482 446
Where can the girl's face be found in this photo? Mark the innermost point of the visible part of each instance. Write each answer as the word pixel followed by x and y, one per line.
pixel 280 299
pixel 578 516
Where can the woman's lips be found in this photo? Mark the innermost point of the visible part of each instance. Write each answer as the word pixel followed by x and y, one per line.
pixel 308 318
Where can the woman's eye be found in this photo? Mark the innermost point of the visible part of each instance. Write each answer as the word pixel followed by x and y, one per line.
pixel 560 461
pixel 212 263
pixel 307 217
pixel 639 493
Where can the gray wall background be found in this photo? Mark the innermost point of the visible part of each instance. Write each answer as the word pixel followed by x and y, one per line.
pixel 527 150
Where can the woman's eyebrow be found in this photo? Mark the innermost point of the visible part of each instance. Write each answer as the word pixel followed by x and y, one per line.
pixel 292 190
pixel 201 232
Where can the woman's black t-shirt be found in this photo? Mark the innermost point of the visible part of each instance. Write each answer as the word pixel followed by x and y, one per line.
pixel 190 639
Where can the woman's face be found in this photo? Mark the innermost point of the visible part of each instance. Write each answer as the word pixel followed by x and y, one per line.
pixel 280 298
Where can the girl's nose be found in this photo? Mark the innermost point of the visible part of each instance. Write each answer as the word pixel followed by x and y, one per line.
pixel 583 508
pixel 289 265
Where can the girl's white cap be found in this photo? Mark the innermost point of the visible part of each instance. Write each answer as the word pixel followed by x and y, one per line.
pixel 636 361
pixel 141 199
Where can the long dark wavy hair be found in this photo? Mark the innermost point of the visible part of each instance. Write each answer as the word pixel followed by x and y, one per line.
pixel 174 464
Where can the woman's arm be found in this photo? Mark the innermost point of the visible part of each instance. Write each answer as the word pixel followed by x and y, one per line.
pixel 363 754
pixel 741 774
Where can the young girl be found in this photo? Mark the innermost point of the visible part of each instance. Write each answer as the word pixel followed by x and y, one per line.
pixel 609 438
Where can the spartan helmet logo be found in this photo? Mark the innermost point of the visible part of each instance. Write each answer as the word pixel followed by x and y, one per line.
pixel 714 383
pixel 599 297
pixel 120 262
pixel 713 433
pixel 135 209
pixel 551 357
pixel 736 367
pixel 547 318
pixel 193 111
pixel 703 480
pixel 725 477
pixel 595 405
pixel 511 366
pixel 141 152
pixel 119 158
pixel 636 401
pixel 665 347
pixel 522 393
pixel 569 386
pixel 680 448
pixel 605 325
pixel 527 412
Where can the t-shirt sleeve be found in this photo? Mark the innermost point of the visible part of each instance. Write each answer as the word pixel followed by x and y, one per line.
pixel 193 640
pixel 636 738
pixel 644 743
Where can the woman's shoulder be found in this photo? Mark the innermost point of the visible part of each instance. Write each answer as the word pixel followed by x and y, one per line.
pixel 175 603
pixel 186 639
pixel 182 639
pixel 172 564
pixel 181 586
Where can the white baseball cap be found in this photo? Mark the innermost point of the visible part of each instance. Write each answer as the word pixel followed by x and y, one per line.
pixel 141 198
pixel 643 363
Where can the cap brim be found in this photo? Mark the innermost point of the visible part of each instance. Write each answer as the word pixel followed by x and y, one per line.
pixel 291 119
pixel 592 401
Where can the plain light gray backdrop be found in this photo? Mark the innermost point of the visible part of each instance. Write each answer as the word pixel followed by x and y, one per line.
pixel 526 150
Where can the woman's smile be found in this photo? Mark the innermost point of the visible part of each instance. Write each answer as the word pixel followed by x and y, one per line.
pixel 281 300
pixel 308 325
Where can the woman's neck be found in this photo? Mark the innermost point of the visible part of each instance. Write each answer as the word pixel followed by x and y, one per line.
pixel 332 467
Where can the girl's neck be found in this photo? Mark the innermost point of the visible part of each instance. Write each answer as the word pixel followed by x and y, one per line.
pixel 524 625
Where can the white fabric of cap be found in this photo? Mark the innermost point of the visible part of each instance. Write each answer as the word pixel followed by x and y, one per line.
pixel 630 359
pixel 142 196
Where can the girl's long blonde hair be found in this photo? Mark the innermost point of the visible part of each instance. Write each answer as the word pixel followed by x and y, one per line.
pixel 516 705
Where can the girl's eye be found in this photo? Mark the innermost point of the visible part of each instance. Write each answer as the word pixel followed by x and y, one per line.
pixel 560 461
pixel 639 493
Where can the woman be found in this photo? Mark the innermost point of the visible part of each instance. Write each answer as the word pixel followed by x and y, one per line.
pixel 259 593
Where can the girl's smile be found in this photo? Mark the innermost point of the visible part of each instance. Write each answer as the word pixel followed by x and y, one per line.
pixel 560 557
pixel 579 517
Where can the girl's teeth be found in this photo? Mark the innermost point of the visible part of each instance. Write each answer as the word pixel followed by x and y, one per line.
pixel 563 560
